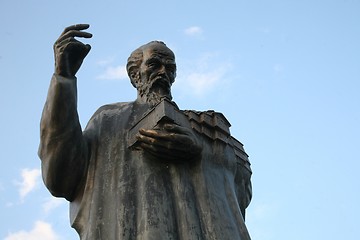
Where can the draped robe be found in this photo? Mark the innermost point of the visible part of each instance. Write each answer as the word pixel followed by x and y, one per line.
pixel 116 192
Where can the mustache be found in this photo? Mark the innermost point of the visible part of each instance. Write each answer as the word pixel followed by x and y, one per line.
pixel 160 80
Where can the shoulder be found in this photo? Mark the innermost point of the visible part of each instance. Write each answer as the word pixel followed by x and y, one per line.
pixel 108 111
pixel 111 109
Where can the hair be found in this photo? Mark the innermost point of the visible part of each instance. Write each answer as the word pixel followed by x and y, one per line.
pixel 134 61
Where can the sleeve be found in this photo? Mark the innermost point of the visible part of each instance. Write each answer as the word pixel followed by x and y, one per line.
pixel 242 177
pixel 63 150
pixel 244 187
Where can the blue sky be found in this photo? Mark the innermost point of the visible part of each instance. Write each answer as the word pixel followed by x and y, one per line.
pixel 286 74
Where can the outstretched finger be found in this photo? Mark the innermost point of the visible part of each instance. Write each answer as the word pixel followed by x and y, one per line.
pixel 76 27
pixel 74 33
pixel 67 40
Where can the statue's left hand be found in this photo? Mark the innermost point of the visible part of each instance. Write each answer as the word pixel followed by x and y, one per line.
pixel 174 143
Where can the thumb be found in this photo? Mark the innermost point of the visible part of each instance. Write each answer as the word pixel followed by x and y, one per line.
pixel 88 47
pixel 86 50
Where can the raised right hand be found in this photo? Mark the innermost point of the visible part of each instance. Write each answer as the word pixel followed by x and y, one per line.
pixel 69 52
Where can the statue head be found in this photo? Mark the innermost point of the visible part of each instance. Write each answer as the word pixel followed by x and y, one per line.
pixel 152 70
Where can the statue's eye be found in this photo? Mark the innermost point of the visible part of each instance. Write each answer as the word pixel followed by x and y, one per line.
pixel 171 69
pixel 153 64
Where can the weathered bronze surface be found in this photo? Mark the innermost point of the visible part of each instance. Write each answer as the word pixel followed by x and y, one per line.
pixel 141 169
pixel 164 112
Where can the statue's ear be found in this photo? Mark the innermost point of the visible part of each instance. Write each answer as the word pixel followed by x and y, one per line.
pixel 134 76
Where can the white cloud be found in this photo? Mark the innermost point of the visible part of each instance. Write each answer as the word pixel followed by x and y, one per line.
pixel 105 62
pixel 30 179
pixel 41 230
pixel 193 31
pixel 204 81
pixel 52 203
pixel 113 73
pixel 203 75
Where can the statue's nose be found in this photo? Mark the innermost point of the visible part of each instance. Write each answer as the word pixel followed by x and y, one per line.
pixel 162 69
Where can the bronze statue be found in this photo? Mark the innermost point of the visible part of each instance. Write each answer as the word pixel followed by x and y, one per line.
pixel 141 169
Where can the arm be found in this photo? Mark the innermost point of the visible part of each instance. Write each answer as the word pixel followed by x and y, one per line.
pixel 63 149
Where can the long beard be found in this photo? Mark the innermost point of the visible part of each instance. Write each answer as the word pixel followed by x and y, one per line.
pixel 152 97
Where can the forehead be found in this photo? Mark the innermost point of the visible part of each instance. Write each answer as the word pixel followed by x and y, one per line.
pixel 158 50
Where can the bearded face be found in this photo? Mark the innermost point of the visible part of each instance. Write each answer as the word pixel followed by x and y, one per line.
pixel 157 72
